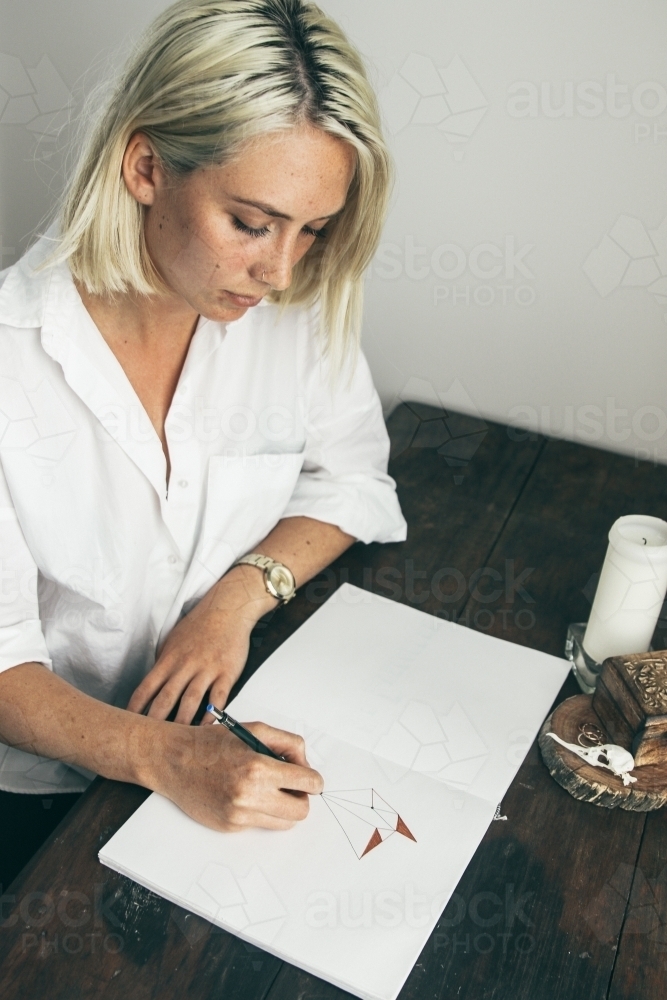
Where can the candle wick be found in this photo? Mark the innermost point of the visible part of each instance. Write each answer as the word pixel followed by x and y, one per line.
pixel 644 541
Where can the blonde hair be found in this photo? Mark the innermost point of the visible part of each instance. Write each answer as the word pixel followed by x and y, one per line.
pixel 207 76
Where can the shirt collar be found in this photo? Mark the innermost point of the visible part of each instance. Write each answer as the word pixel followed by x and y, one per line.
pixel 24 292
pixel 48 300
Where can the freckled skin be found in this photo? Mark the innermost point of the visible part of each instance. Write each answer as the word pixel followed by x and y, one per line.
pixel 202 255
pixel 304 173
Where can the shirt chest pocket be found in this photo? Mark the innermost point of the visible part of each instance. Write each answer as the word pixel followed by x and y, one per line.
pixel 246 496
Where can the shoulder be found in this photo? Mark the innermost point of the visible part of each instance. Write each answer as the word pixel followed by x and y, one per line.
pixel 25 285
pixel 291 339
pixel 346 378
pixel 284 332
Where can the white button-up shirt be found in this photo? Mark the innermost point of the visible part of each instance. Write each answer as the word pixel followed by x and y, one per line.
pixel 99 557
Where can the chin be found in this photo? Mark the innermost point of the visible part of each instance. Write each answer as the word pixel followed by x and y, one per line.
pixel 219 313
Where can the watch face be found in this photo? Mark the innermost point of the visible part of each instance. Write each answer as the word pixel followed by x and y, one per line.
pixel 281 579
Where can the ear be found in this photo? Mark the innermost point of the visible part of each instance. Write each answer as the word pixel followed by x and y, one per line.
pixel 141 170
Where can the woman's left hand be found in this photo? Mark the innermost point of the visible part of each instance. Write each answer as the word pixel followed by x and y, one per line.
pixel 206 651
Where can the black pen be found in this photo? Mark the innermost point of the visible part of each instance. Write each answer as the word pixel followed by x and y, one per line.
pixel 243 734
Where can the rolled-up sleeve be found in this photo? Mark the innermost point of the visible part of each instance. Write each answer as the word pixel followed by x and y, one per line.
pixel 21 636
pixel 344 477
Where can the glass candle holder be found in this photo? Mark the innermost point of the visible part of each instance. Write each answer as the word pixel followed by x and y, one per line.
pixel 584 667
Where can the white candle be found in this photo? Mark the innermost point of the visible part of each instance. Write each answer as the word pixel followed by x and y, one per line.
pixel 632 587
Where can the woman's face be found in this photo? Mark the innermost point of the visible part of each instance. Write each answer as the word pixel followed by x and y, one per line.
pixel 225 236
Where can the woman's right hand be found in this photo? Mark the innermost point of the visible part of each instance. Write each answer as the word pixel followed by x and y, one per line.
pixel 206 770
pixel 220 782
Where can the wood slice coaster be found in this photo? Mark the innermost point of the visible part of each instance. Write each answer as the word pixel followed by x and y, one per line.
pixel 596 784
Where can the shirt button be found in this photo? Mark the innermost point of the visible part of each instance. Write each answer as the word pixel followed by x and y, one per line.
pixel 183 483
pixel 172 559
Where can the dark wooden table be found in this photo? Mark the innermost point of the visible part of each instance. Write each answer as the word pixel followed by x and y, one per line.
pixel 561 900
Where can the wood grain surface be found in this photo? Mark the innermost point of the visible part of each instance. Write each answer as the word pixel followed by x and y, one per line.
pixel 641 966
pixel 562 900
pixel 586 782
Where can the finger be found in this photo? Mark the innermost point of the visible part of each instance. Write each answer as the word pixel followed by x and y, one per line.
pixel 301 779
pixel 217 696
pixel 273 801
pixel 294 805
pixel 191 699
pixel 285 744
pixel 288 777
pixel 140 698
pixel 147 689
pixel 219 692
pixel 167 696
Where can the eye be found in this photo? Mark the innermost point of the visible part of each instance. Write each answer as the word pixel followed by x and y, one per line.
pixel 242 228
pixel 319 234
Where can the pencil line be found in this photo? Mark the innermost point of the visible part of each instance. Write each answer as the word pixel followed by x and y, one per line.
pixel 358 856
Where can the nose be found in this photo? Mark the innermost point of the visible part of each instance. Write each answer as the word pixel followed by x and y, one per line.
pixel 276 265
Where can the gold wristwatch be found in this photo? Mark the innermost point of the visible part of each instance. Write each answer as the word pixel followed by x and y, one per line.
pixel 278 579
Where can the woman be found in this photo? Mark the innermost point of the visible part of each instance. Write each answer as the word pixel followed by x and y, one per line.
pixel 180 389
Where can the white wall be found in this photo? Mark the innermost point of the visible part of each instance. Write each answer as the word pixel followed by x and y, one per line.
pixel 523 271
pixel 51 53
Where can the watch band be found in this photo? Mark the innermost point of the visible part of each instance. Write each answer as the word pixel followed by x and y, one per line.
pixel 255 559
pixel 268 565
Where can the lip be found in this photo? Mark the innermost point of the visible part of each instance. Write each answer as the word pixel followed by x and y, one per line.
pixel 244 301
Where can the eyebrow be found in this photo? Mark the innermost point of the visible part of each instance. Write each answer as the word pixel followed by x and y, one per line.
pixel 274 213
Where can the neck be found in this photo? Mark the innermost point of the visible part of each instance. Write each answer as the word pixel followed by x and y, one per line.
pixel 143 319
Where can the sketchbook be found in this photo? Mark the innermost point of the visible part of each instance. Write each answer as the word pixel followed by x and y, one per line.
pixel 418 726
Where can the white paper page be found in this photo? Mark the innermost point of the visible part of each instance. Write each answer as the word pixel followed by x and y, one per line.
pixel 432 718
pixel 429 695
pixel 311 895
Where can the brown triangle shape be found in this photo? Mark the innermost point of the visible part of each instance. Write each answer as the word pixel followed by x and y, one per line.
pixel 402 828
pixel 373 842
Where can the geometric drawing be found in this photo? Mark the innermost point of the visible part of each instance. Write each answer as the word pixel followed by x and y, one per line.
pixel 25 92
pixel 631 256
pixel 448 99
pixel 35 422
pixel 42 773
pixel 366 819
pixel 428 424
pixel 239 903
pixel 446 748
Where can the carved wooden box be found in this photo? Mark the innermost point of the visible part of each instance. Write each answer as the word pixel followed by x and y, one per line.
pixel 630 701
